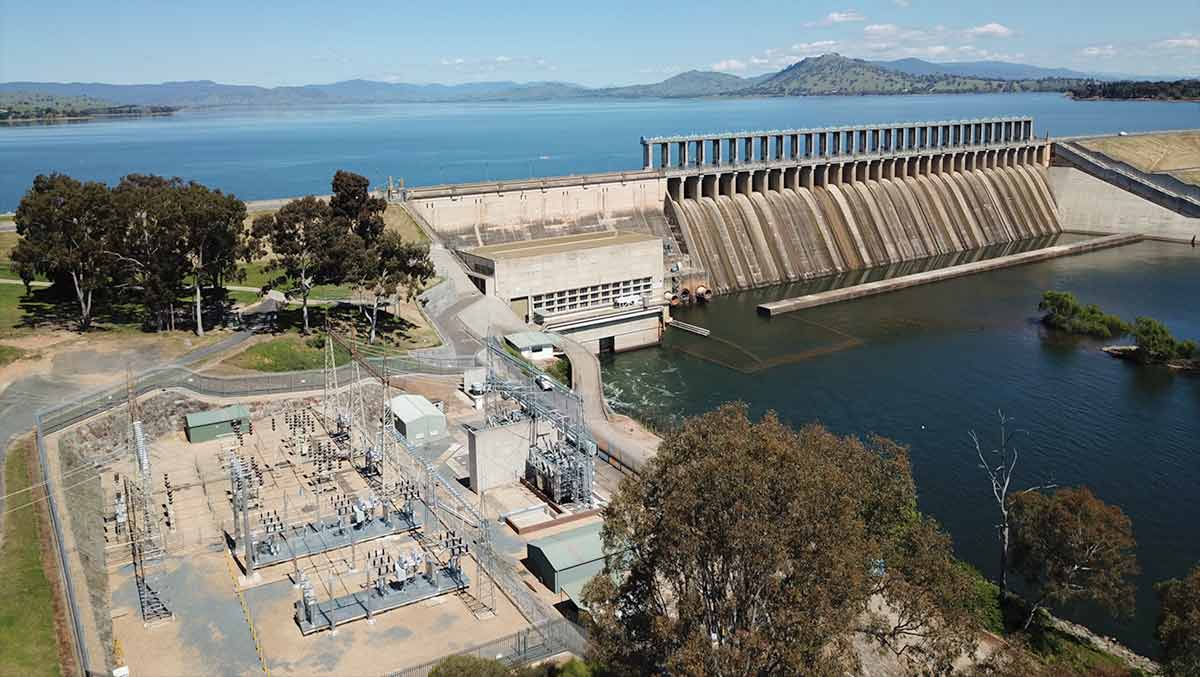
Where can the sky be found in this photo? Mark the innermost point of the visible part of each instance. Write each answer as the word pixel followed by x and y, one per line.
pixel 615 42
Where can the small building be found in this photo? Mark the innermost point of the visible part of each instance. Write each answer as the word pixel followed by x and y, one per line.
pixel 416 418
pixel 205 426
pixel 533 345
pixel 566 561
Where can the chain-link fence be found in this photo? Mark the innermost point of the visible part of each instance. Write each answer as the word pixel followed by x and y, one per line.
pixel 531 644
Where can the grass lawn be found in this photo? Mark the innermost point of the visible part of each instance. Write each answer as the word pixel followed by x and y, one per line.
pixel 257 276
pixel 291 352
pixel 395 218
pixel 9 354
pixel 28 644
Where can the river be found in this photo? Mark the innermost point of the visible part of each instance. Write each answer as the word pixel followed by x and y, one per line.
pixel 284 152
pixel 926 365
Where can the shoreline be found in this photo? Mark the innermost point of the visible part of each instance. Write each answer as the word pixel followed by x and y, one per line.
pixel 97 117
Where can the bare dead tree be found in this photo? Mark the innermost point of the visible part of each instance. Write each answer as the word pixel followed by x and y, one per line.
pixel 1000 471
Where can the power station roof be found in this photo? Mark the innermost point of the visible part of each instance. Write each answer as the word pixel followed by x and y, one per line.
pixel 530 340
pixel 410 408
pixel 236 412
pixel 557 245
pixel 572 548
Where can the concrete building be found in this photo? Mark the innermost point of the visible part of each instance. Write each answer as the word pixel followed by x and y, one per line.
pixel 416 418
pixel 566 561
pixel 533 345
pixel 603 289
pixel 205 426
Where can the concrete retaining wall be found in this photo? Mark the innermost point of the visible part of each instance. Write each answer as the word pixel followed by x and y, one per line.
pixel 1088 203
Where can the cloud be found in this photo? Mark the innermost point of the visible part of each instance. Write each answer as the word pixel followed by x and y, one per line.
pixel 820 46
pixel 1186 41
pixel 903 4
pixel 502 59
pixel 838 18
pixel 991 30
pixel 1099 51
pixel 880 30
pixel 728 65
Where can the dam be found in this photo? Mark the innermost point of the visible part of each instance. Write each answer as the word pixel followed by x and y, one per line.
pixel 816 202
pixel 751 209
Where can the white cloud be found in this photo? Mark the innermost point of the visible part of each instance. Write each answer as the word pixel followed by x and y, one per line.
pixel 991 30
pixel 728 65
pixel 903 4
pixel 1186 41
pixel 503 59
pixel 1099 51
pixel 838 18
pixel 818 46
pixel 880 30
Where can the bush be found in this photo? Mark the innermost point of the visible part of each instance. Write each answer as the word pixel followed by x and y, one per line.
pixel 470 666
pixel 984 601
pixel 1156 344
pixel 1065 313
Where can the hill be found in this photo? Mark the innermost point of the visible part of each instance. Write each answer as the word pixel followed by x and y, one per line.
pixel 827 74
pixel 691 83
pixel 836 74
pixel 992 70
pixel 21 106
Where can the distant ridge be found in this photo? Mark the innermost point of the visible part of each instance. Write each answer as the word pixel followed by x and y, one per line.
pixel 826 74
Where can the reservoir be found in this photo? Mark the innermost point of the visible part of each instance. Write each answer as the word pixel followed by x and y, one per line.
pixel 926 365
pixel 284 152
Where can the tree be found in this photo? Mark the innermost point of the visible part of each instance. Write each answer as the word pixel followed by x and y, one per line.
pixel 470 666
pixel 1064 312
pixel 1179 624
pixel 147 241
pixel 65 226
pixel 1156 344
pixel 214 239
pixel 749 548
pixel 1070 545
pixel 390 266
pixel 352 204
pixel 307 247
pixel 1000 464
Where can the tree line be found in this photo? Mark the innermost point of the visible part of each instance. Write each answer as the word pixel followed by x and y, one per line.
pixel 749 548
pixel 1129 89
pixel 157 240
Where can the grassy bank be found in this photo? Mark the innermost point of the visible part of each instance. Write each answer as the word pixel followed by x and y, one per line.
pixel 286 353
pixel 28 643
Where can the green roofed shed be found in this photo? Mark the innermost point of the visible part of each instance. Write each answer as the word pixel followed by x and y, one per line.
pixel 567 560
pixel 204 426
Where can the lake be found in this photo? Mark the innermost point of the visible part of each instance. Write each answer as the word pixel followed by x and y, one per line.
pixel 268 153
pixel 926 365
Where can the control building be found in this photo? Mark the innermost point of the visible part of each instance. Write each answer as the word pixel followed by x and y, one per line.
pixel 604 290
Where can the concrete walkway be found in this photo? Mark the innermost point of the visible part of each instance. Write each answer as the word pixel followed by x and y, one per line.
pixel 629 449
pixel 884 286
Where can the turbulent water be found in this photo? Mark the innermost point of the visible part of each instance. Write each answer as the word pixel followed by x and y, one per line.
pixel 746 241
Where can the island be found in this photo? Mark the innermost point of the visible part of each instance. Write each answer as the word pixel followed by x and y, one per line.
pixel 23 107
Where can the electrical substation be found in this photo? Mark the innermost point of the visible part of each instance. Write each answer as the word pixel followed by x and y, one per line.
pixel 310 515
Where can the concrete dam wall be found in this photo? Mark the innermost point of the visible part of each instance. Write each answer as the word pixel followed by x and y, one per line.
pixel 748 233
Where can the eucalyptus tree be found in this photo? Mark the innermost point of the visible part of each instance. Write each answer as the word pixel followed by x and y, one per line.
pixel 352 204
pixel 1179 624
pixel 306 247
pixel 748 548
pixel 1069 546
pixel 388 268
pixel 214 239
pixel 147 242
pixel 65 227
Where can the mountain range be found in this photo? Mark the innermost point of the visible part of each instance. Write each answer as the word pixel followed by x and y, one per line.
pixel 827 74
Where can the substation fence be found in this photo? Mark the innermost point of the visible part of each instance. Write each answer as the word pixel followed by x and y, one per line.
pixel 523 647
pixel 61 416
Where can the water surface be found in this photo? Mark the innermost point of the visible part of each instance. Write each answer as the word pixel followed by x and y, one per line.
pixel 926 365
pixel 283 152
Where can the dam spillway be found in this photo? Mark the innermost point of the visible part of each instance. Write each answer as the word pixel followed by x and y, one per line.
pixel 851 198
